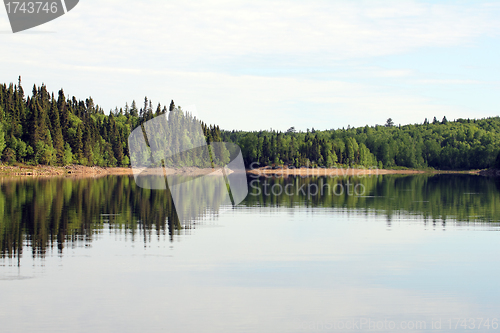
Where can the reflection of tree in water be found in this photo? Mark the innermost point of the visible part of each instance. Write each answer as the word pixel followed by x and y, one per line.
pixel 51 214
pixel 45 214
pixel 465 198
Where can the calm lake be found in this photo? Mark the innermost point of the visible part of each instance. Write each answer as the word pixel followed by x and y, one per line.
pixel 378 253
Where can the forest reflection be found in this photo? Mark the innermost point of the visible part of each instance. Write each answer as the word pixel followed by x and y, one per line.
pixel 52 212
pixel 42 214
pixel 440 197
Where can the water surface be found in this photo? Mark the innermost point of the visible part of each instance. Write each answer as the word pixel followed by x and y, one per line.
pixel 103 255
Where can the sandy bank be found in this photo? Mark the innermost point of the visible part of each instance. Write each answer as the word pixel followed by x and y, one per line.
pixel 84 171
pixel 344 172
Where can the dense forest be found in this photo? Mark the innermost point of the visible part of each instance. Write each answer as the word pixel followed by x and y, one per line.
pixel 461 144
pixel 59 130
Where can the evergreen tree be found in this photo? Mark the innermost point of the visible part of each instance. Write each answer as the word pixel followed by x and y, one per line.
pixel 2 139
pixel 39 129
pixel 116 141
pixel 78 145
pixel 57 137
pixel 34 122
pixel 133 110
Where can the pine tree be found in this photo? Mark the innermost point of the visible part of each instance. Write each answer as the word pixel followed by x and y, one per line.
pixel 87 153
pixel 144 111
pixel 63 115
pixel 133 109
pixel 56 131
pixel 78 146
pixel 116 141
pixel 2 138
pixel 127 113
pixel 34 123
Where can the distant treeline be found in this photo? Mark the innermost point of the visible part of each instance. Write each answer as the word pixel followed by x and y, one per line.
pixel 58 130
pixel 461 144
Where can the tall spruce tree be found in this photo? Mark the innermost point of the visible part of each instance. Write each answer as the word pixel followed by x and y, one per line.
pixel 56 131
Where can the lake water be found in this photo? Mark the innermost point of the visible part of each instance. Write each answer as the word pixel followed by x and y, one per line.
pixel 382 253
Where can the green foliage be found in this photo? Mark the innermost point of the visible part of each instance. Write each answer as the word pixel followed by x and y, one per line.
pixel 125 162
pixel 9 155
pixel 461 144
pixel 2 139
pixel 60 130
pixel 44 153
pixel 68 155
pixel 21 150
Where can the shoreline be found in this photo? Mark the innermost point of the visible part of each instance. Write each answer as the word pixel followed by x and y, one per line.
pixel 64 171
pixel 265 172
pixel 95 171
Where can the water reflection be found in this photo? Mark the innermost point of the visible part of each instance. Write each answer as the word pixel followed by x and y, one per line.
pixel 465 198
pixel 53 213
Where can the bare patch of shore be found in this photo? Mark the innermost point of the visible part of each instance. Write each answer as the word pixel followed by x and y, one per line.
pixel 285 172
pixel 45 170
pixel 95 171
pixel 187 171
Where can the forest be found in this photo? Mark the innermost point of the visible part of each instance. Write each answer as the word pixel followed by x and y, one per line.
pixel 44 129
pixel 462 144
pixel 48 129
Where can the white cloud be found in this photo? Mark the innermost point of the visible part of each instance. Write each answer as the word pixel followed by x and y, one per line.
pixel 333 30
pixel 117 51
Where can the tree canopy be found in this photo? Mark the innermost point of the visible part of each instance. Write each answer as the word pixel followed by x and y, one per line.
pixel 462 144
pixel 58 130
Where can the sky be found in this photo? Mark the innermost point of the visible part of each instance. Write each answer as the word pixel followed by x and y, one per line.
pixel 252 65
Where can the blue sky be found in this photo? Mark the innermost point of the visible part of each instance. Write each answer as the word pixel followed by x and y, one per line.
pixel 271 64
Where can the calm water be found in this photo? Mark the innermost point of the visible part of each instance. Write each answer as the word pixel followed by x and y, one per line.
pixel 386 253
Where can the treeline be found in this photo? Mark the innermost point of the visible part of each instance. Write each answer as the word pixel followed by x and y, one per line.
pixel 58 130
pixel 461 144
